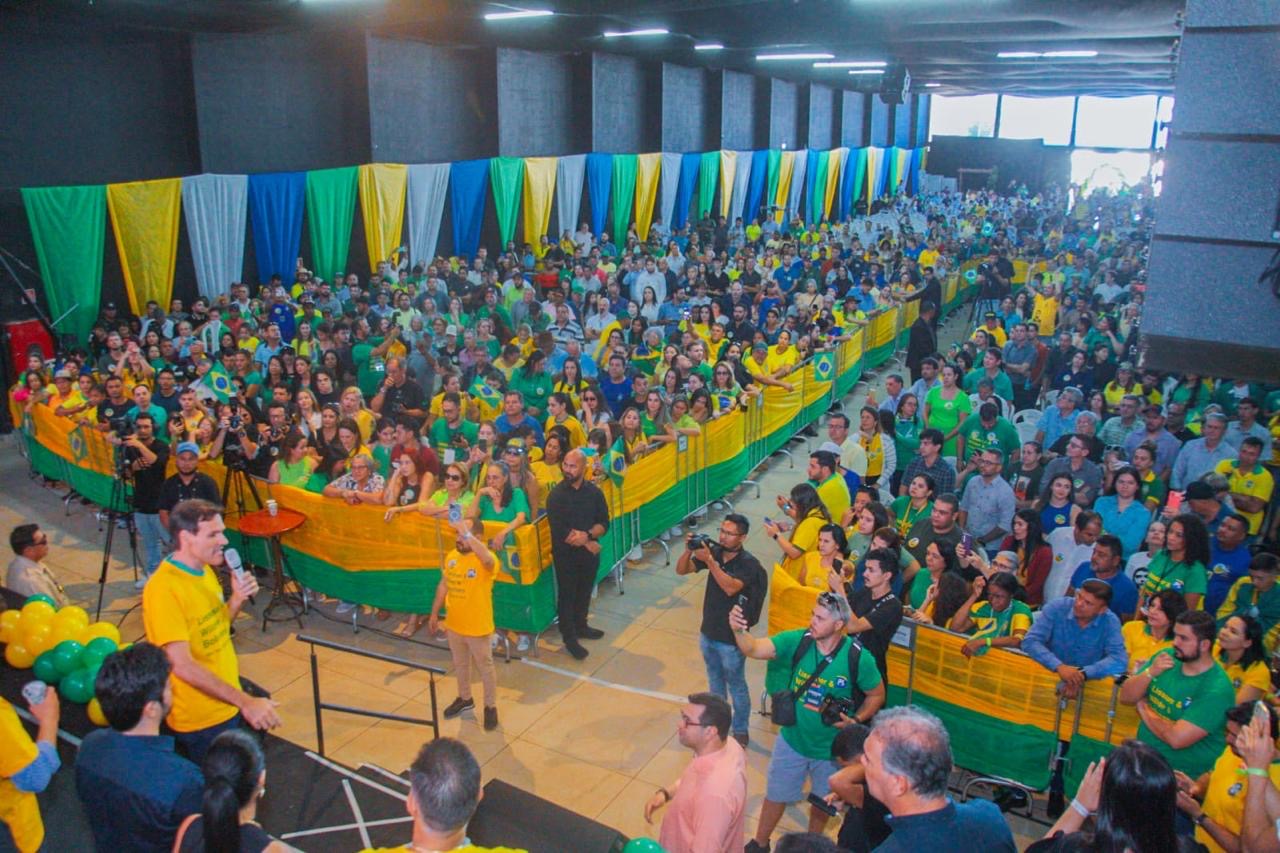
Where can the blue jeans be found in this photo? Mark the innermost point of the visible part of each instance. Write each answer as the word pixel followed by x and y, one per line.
pixel 154 540
pixel 726 668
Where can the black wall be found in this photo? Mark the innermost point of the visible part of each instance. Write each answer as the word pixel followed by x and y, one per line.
pixel 1022 160
pixel 455 117
pixel 738 109
pixel 881 132
pixel 784 116
pixel 625 113
pixel 824 117
pixel 687 123
pixel 855 120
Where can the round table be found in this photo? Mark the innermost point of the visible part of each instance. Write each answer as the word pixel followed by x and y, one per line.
pixel 261 524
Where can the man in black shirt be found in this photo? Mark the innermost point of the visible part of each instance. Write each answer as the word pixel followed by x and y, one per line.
pixel 116 406
pixel 187 484
pixel 399 397
pixel 270 440
pixel 735 574
pixel 146 455
pixel 877 612
pixel 578 516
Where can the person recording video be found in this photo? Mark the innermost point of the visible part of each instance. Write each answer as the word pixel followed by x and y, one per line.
pixel 145 457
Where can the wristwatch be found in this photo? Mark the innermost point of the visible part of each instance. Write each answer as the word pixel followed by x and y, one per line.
pixel 1199 819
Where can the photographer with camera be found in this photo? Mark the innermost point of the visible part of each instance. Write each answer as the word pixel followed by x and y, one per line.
pixel 231 443
pixel 270 443
pixel 398 397
pixel 829 684
pixel 736 577
pixel 145 457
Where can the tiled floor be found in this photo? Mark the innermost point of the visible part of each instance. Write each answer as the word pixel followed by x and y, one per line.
pixel 596 736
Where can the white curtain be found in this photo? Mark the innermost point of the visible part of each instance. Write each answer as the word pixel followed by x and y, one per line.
pixel 797 183
pixel 428 188
pixel 741 177
pixel 215 207
pixel 669 185
pixel 570 172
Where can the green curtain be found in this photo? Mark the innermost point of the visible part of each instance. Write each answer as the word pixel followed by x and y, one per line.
pixel 775 166
pixel 506 176
pixel 623 195
pixel 69 226
pixel 708 179
pixel 818 198
pixel 859 175
pixel 331 211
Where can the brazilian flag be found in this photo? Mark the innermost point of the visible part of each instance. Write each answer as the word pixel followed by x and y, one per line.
pixel 79 447
pixel 219 382
pixel 646 360
pixel 616 465
pixel 824 366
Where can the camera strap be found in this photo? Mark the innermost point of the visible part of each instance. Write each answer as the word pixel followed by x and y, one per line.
pixel 805 641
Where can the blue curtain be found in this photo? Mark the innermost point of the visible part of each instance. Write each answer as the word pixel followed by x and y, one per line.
pixel 913 166
pixel 810 184
pixel 851 173
pixel 755 185
pixel 276 202
pixel 684 192
pixel 468 186
pixel 881 176
pixel 599 178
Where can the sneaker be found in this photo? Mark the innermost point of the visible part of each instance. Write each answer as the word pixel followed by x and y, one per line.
pixel 490 719
pixel 742 738
pixel 676 532
pixel 457 706
pixel 345 607
pixel 575 648
pixel 754 846
pixel 141 581
pixel 522 644
pixel 636 554
pixel 586 632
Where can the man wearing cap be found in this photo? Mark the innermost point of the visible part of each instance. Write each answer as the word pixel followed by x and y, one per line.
pixel 991 325
pixel 1154 431
pixel 1205 502
pixel 66 399
pixel 1201 455
pixel 188 483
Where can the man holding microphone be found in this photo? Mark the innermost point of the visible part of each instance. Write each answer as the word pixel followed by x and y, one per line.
pixel 184 614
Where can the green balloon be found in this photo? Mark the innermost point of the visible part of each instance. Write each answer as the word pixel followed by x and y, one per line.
pixel 642 845
pixel 76 687
pixel 101 646
pixel 40 596
pixel 46 669
pixel 91 658
pixel 66 655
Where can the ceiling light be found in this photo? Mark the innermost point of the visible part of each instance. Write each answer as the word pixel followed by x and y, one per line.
pixel 1070 54
pixel 1018 54
pixel 652 31
pixel 866 71
pixel 714 45
pixel 780 57
pixel 519 13
pixel 869 64
pixel 932 85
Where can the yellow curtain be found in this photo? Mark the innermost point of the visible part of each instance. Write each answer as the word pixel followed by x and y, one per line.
pixel 728 166
pixel 647 168
pixel 539 192
pixel 382 191
pixel 144 216
pixel 904 157
pixel 835 165
pixel 874 157
pixel 786 168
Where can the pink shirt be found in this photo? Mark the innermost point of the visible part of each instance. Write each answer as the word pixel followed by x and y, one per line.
pixel 708 812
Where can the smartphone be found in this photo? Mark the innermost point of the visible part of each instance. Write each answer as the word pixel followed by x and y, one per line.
pixel 1175 502
pixel 742 602
pixel 455 513
pixel 822 805
pixel 768 520
pixel 966 542
pixel 787 506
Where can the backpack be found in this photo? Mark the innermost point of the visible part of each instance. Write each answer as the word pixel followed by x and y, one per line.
pixel 856 693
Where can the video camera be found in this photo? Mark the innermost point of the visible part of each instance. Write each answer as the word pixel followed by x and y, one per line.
pixel 122 427
pixel 832 707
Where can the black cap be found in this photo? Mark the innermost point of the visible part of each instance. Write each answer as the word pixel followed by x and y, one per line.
pixel 1200 491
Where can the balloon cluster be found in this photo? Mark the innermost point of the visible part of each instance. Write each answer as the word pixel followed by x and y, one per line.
pixel 60 646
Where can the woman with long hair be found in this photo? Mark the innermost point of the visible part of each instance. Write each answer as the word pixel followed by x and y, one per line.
pixel 827 566
pixel 1151 488
pixel 916 504
pixel 1001 621
pixel 1241 652
pixel 1136 566
pixel 906 430
pixel 534 383
pixel 593 414
pixel 1035 557
pixel 1154 632
pixel 497 501
pixel 649 305
pixel 630 443
pixel 351 405
pixel 547 470
pixel 324 386
pixel 946 406
pixel 947 598
pixel 1181 564
pixel 806 510
pixel 881 454
pixel 655 422
pixel 1057 506
pixel 939 558
pixel 1123 514
pixel 295 465
pixel 235 779
pixel 864 521
pixel 407 487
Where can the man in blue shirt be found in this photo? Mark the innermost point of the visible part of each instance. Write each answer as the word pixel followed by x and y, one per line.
pixel 514 417
pixel 131 782
pixel 1105 565
pixel 616 385
pixel 908 762
pixel 1228 559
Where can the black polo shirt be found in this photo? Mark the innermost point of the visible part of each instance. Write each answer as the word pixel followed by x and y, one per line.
pixel 174 491
pixel 716 604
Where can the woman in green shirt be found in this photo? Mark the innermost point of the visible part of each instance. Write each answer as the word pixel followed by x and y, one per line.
pixel 497 501
pixel 906 430
pixel 1181 563
pixel 1001 621
pixel 296 466
pixel 939 557
pixel 453 491
pixel 655 422
pixel 916 504
pixel 946 406
pixel 534 383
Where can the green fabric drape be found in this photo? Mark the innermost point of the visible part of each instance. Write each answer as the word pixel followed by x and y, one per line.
pixel 69 226
pixel 891 185
pixel 622 195
pixel 506 176
pixel 775 165
pixel 708 179
pixel 819 188
pixel 331 211
pixel 859 175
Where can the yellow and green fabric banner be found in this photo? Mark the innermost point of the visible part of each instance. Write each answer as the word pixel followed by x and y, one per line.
pixel 382 192
pixel 145 216
pixel 648 167
pixel 539 193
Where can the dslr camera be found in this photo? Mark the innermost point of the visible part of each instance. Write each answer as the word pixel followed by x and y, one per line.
pixel 122 427
pixel 698 541
pixel 833 706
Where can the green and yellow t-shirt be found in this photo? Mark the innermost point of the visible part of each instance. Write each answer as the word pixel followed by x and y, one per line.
pixel 1202 700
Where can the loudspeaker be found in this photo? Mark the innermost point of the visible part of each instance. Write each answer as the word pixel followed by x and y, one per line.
pixel 510 817
pixel 895 84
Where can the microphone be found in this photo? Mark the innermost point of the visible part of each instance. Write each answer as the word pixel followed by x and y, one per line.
pixel 236 565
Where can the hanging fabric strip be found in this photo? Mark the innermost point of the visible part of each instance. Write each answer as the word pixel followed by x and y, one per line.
pixel 835 163
pixel 622 194
pixel 506 178
pixel 775 166
pixel 855 173
pixel 782 195
pixel 891 170
pixel 690 177
pixel 755 187
pixel 145 216
pixel 215 208
pixel 570 172
pixel 800 165
pixel 648 168
pixel 728 171
pixel 382 191
pixel 669 187
pixel 708 177
pixel 741 178
pixel 904 169
pixel 817 184
pixel 873 171
pixel 331 209
pixel 276 201
pixel 428 188
pixel 599 177
pixel 68 227
pixel 468 184
pixel 539 188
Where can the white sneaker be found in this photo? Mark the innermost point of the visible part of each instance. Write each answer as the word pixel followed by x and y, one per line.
pixel 345 607
pixel 676 532
pixel 665 536
pixel 522 645
pixel 141 581
pixel 635 554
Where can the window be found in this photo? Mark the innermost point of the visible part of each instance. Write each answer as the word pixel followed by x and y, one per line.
pixel 1108 169
pixel 1037 118
pixel 1164 115
pixel 1116 122
pixel 966 115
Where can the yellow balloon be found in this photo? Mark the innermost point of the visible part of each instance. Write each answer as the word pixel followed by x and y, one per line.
pixel 95 713
pixel 98 629
pixel 64 630
pixel 43 608
pixel 9 625
pixel 38 639
pixel 73 615
pixel 18 656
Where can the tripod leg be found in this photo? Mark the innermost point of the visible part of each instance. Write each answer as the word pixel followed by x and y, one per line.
pixel 106 561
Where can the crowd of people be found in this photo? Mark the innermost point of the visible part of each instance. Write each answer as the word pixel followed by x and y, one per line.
pixel 1027 486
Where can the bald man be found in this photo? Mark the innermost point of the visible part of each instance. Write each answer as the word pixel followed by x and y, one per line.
pixel 579 516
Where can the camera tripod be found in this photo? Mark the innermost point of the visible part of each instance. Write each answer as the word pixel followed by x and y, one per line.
pixel 119 507
pixel 234 486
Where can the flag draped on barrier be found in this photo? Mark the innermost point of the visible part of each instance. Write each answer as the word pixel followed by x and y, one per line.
pixel 68 227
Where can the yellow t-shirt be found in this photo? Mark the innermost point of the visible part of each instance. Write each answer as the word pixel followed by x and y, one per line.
pixel 468 598
pixel 874 448
pixel 812 573
pixel 546 475
pixel 1045 315
pixel 805 535
pixel 19 810
pixel 184 605
pixel 366 421
pixel 577 435
pixel 928 258
pixel 1256 482
pixel 1224 796
pixel 1141 646
pixel 834 493
pixel 74 398
pixel 1258 674
pixel 775 362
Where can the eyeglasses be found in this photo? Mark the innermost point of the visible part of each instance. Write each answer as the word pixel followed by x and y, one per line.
pixel 43 540
pixel 685 721
pixel 726 532
pixel 456 477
